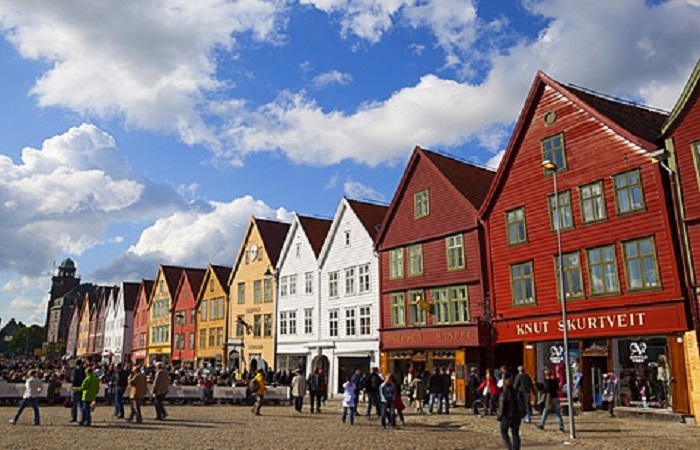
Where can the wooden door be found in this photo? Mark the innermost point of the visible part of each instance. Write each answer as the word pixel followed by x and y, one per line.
pixel 679 391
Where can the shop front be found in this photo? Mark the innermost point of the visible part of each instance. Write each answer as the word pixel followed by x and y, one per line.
pixel 642 348
pixel 410 351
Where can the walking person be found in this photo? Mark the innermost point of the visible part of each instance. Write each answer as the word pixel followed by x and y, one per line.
pixel 387 394
pixel 611 390
pixel 446 389
pixel 357 381
pixel 137 391
pixel 551 400
pixel 32 391
pixel 523 384
pixel 349 400
pixel 418 393
pixel 372 384
pixel 298 390
pixel 76 380
pixel 511 409
pixel 473 383
pixel 314 383
pixel 399 405
pixel 120 379
pixel 489 391
pixel 435 390
pixel 161 384
pixel 259 391
pixel 88 390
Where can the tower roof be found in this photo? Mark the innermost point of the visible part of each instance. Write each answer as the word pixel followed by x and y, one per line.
pixel 67 264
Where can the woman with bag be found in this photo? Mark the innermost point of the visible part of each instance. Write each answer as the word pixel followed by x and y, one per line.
pixel 489 391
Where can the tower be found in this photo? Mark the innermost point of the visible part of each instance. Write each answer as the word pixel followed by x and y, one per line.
pixel 61 283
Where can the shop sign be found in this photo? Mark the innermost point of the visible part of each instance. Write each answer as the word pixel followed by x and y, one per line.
pixel 431 337
pixel 556 353
pixel 638 352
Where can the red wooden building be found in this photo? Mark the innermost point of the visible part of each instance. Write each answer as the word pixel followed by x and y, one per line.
pixel 621 278
pixel 184 317
pixel 139 344
pixel 432 305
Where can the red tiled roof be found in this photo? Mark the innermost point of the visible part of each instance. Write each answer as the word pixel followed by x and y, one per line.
pixel 316 230
pixel 637 120
pixel 471 181
pixel 273 234
pixel 370 214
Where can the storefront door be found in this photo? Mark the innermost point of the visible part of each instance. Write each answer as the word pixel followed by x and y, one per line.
pixel 591 389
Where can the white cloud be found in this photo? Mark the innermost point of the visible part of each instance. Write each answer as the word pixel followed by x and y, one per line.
pixel 359 191
pixel 332 77
pixel 495 160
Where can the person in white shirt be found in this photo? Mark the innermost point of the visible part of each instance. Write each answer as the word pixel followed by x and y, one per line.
pixel 32 391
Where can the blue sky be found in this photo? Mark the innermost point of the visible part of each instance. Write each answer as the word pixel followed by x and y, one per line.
pixel 137 133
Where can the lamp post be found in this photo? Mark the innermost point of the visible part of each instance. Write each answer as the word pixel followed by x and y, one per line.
pixel 552 167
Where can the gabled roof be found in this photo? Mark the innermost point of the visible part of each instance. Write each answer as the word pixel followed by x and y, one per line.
pixel 636 124
pixel 316 230
pixel 145 288
pixel 370 214
pixel 471 181
pixel 272 232
pixel 130 294
pixel 221 273
pixel 195 277
pixel 171 274
pixel 690 91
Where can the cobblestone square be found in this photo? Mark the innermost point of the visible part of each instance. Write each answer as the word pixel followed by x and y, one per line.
pixel 228 426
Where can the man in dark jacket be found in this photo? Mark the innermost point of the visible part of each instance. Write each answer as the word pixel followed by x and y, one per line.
pixel 473 383
pixel 315 384
pixel 357 381
pixel 435 389
pixel 523 384
pixel 446 390
pixel 76 380
pixel 510 412
pixel 371 386
pixel 120 379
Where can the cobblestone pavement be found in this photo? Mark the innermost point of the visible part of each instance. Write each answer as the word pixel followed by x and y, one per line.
pixel 226 426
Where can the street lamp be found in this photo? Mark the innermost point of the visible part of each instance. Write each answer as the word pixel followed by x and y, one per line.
pixel 552 167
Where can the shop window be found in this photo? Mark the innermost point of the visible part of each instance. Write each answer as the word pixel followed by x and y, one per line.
pixel 644 371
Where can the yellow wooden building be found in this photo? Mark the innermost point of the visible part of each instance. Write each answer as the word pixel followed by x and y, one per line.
pixel 160 313
pixel 252 292
pixel 82 343
pixel 212 323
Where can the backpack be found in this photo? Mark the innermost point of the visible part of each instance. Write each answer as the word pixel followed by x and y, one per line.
pixel 253 386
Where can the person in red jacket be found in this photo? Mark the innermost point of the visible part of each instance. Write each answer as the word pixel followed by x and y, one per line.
pixel 489 390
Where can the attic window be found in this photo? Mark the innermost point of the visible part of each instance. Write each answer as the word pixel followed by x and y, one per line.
pixel 421 203
pixel 211 285
pixel 347 238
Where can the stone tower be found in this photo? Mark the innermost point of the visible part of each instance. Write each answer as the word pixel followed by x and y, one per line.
pixel 61 283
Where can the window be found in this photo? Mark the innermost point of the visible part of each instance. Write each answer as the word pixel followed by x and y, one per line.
pixel 191 341
pixel 267 325
pixel 396 263
pixel 553 150
pixel 203 310
pixel 451 305
pixel 284 286
pixel 203 339
pixel 350 326
pixel 212 337
pixel 364 278
pixel 292 322
pixel 257 325
pixel 416 311
pixel 515 220
pixel 267 290
pixel 573 279
pixel 241 293
pixel 347 238
pixel 415 260
pixel 350 281
pixel 365 321
pixel 239 325
pixel 333 323
pixel 293 284
pixel 695 148
pixel 283 323
pixel 522 283
pixel 257 291
pixel 592 202
pixel 441 307
pixel 561 215
pixel 640 262
pixel 219 336
pixel 455 252
pixel 309 283
pixel 222 307
pixel 398 309
pixel 211 285
pixel 333 284
pixel 308 321
pixel 421 203
pixel 628 192
pixel 297 250
pixel 603 270
pixel 193 316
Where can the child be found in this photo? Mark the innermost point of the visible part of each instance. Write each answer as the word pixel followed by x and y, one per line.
pixel 349 400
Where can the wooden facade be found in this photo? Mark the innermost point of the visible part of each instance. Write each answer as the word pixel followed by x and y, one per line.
pixel 184 318
pixel 621 275
pixel 212 296
pixel 160 306
pixel 139 343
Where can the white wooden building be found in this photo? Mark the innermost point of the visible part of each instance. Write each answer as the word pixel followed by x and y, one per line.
pixel 119 323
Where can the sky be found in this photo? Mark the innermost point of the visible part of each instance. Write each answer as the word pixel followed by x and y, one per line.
pixel 139 133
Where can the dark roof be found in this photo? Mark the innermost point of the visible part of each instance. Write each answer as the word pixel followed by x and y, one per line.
pixel 172 277
pixel 131 292
pixel 370 214
pixel 685 100
pixel 473 182
pixel 316 230
pixel 638 120
pixel 222 273
pixel 273 234
pixel 147 287
pixel 196 276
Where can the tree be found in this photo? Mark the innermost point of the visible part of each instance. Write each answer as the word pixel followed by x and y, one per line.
pixel 25 340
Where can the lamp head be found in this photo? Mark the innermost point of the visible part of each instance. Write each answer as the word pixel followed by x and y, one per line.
pixel 549 165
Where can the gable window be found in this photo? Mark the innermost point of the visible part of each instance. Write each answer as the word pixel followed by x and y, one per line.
pixel 641 265
pixel 628 192
pixel 333 284
pixel 257 291
pixel 350 325
pixel 284 286
pixel 308 321
pixel 283 323
pixel 522 283
pixel 364 278
pixel 211 285
pixel 333 323
pixel 350 281
pixel 398 309
pixel 267 330
pixel 517 232
pixel 553 150
pixel 396 263
pixel 602 269
pixel 347 238
pixel 365 321
pixel 292 322
pixel 562 214
pixel 573 279
pixel 241 293
pixel 415 260
pixel 293 284
pixel 455 252
pixel 416 312
pixel 592 202
pixel 421 203
pixel 298 251
pixel 309 283
pixel 267 290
